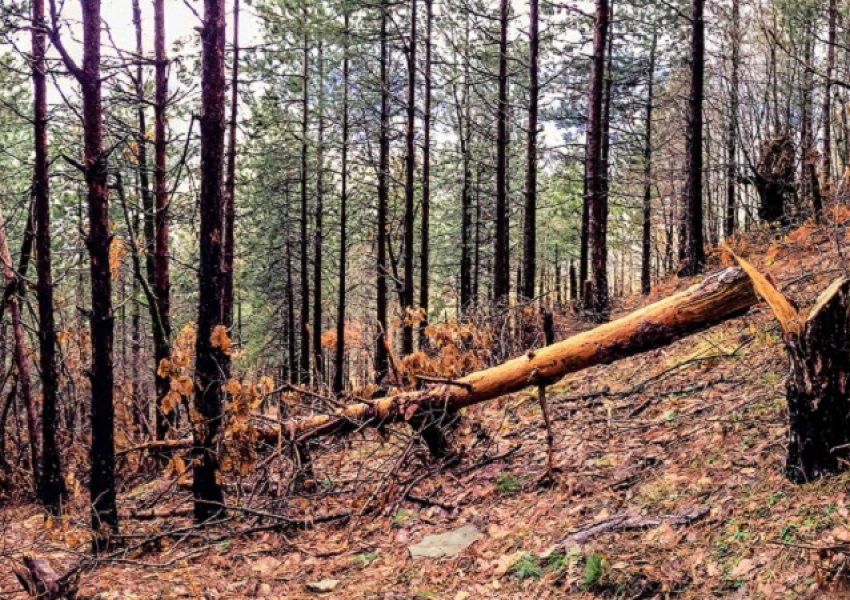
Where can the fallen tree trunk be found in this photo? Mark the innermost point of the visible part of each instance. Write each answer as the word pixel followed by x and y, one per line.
pixel 718 297
pixel 818 346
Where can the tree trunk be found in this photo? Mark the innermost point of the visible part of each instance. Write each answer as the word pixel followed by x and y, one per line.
pixel 732 126
pixel 98 240
pixel 304 317
pixel 381 350
pixel 598 210
pixel 339 359
pixel 808 177
pixel 465 135
pixel 718 297
pixel 229 211
pixel 162 276
pixel 142 148
pixel 501 250
pixel 206 489
pixel 826 158
pixel 52 485
pixel 425 241
pixel 573 283
pixel 646 258
pixel 290 304
pixel 21 353
pixel 818 345
pixel 819 427
pixel 529 247
pixel 694 246
pixel 409 191
pixel 318 234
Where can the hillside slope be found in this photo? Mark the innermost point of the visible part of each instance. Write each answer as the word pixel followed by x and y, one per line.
pixel 687 442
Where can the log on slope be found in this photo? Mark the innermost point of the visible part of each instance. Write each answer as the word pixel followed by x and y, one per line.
pixel 716 298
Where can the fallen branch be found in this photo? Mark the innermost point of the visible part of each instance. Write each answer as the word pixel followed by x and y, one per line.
pixel 629 522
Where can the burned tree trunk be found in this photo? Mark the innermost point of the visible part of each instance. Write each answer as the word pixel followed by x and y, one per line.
pixel 817 388
pixel 774 178
pixel 818 345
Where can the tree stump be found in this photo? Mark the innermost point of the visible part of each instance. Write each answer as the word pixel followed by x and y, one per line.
pixel 818 345
pixel 817 388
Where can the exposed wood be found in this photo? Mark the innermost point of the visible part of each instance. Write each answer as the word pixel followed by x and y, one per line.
pixel 818 345
pixel 718 297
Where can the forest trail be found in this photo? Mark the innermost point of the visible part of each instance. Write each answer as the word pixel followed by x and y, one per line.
pixel 677 455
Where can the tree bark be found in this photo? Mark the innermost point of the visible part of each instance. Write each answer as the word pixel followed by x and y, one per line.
pixel 229 217
pixel 718 297
pixel 162 276
pixel 826 158
pixel 818 345
pixel 501 251
pixel 529 247
pixel 52 485
pixel 21 355
pixel 339 359
pixel 646 258
pixel 694 255
pixel 819 427
pixel 304 317
pixel 381 350
pixel 465 138
pixel 598 209
pixel 425 235
pixel 98 240
pixel 409 189
pixel 732 126
pixel 318 233
pixel 206 489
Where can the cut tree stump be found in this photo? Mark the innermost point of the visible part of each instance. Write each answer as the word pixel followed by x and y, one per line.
pixel 716 298
pixel 818 384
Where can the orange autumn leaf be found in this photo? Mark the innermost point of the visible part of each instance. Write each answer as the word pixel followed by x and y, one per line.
pixel 220 339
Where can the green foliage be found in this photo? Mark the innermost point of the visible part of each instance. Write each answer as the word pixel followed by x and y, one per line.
pixel 401 518
pixel 364 559
pixel 594 566
pixel 508 484
pixel 527 567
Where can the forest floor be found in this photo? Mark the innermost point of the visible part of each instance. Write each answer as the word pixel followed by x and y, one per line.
pixel 696 428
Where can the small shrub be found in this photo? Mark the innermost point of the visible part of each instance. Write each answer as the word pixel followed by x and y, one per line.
pixel 593 568
pixel 527 567
pixel 508 484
